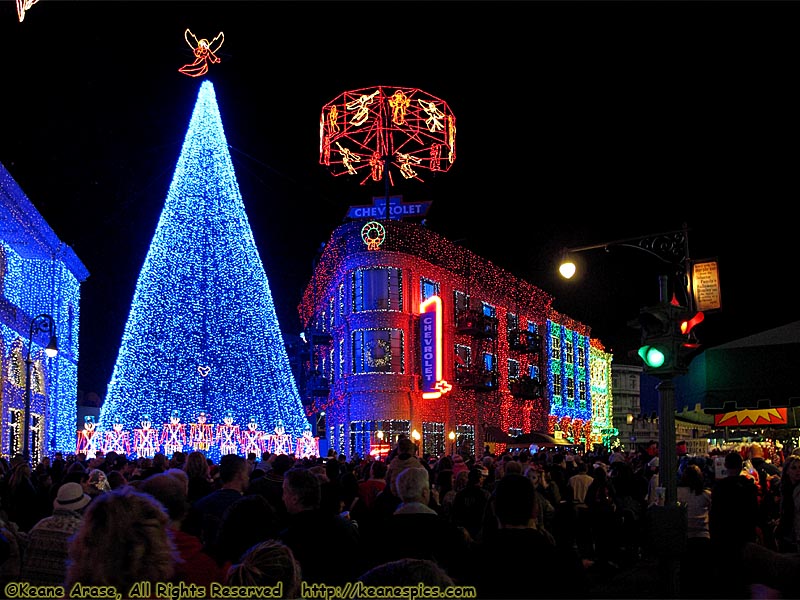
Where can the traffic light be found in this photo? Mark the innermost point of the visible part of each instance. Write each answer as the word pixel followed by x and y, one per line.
pixel 689 346
pixel 668 339
pixel 659 349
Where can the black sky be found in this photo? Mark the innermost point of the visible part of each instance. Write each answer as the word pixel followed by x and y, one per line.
pixel 577 123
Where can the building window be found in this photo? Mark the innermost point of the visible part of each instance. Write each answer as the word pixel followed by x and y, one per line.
pixel 489 310
pixel 569 352
pixel 460 303
pixel 465 438
pixel 377 289
pixel 341 357
pixel 378 351
pixel 463 358
pixel 512 323
pixel 341 299
pixel 581 357
pixel 570 388
pixel 533 371
pixel 555 347
pixel 488 362
pixel 557 384
pixel 533 327
pixel 433 439
pixel 513 370
pixel 582 391
pixel 427 288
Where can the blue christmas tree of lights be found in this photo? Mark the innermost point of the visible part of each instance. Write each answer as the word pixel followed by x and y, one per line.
pixel 202 333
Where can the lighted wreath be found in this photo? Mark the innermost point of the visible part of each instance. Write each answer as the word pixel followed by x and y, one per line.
pixel 383 361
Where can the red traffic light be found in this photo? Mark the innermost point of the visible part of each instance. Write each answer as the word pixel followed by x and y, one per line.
pixel 687 325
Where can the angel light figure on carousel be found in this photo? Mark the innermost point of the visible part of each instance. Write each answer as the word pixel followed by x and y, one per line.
pixel 173 435
pixel 145 438
pixel 280 442
pixel 307 444
pixel 253 439
pixel 228 435
pixel 117 439
pixel 88 438
pixel 201 433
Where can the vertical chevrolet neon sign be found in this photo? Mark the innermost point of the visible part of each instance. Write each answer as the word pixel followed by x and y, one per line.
pixel 430 329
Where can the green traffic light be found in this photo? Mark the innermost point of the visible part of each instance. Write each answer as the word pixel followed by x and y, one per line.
pixel 652 356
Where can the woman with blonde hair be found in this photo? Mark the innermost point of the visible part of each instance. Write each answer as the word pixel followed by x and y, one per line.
pixel 122 540
pixel 268 563
pixel 200 482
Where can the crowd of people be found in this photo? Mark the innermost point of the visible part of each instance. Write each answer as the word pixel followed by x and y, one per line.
pixel 515 525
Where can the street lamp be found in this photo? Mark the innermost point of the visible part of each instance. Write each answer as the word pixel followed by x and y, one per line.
pixel 672 248
pixel 415 436
pixel 452 436
pixel 41 323
pixel 629 421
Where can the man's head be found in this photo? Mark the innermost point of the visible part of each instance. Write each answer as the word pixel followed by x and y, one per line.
pixel 301 490
pixel 733 463
pixel 413 485
pixel 405 446
pixel 515 501
pixel 234 472
pixel 756 451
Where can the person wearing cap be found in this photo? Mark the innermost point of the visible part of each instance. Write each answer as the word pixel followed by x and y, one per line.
pixel 472 507
pixel 45 560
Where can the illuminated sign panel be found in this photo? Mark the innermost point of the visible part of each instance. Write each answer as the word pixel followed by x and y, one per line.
pixel 430 329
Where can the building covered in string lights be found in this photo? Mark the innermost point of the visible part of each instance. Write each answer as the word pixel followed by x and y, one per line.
pixel 39 274
pixel 499 358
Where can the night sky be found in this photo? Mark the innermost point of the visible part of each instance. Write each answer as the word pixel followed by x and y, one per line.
pixel 578 123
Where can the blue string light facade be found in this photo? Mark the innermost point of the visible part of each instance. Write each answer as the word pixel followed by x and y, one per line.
pixel 202 333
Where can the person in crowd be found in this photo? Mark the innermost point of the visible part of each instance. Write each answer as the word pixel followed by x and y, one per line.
pixel 200 482
pixel 13 543
pixel 268 563
pixel 307 525
pixel 545 510
pixel 446 500
pixel 123 540
pixel 45 558
pixel 631 493
pixel 270 485
pixel 23 504
pixel 234 479
pixel 196 566
pixel 551 571
pixel 601 503
pixel 406 457
pixel 732 523
pixel 97 483
pixel 415 530
pixel 768 478
pixel 577 484
pixel 472 507
pixel 787 532
pixel 407 572
pixel 246 522
pixel 116 479
pixel 693 493
pixel 362 510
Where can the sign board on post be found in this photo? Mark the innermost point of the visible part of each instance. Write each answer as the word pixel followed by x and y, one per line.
pixel 705 285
